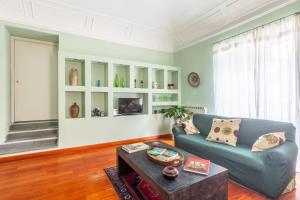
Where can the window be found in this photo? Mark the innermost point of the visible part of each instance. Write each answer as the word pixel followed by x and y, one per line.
pixel 257 73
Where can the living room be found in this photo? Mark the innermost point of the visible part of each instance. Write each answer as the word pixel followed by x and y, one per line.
pixel 149 99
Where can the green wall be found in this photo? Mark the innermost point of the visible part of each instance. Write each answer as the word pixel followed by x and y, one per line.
pixel 4 82
pixel 198 58
pixel 68 42
pixel 2 89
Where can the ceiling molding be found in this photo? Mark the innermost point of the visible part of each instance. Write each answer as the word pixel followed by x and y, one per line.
pixel 236 25
pixel 59 16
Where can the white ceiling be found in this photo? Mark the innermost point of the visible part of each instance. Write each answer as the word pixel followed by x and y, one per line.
pixel 165 25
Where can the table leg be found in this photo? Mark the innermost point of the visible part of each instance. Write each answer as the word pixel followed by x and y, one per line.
pixel 122 166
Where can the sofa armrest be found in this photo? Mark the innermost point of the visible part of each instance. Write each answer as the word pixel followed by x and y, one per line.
pixel 280 167
pixel 283 154
pixel 178 131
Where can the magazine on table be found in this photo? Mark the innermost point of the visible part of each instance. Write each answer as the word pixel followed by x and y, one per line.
pixel 197 165
pixel 131 148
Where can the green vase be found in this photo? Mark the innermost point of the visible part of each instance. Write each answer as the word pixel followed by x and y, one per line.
pixel 122 83
pixel 117 81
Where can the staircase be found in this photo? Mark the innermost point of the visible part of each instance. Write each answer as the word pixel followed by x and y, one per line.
pixel 30 136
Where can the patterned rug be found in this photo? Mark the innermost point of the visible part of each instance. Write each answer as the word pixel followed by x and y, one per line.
pixel 131 186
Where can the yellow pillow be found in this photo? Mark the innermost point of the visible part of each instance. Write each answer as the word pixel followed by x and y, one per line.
pixel 190 128
pixel 224 131
pixel 268 141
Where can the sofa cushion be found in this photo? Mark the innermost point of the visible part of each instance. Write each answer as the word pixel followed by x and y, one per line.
pixel 268 141
pixel 222 153
pixel 224 131
pixel 250 129
pixel 190 128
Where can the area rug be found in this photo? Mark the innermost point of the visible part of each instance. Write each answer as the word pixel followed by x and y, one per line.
pixel 131 186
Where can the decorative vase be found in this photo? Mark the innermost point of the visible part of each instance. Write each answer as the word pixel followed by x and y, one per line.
pixel 74 77
pixel 170 172
pixel 122 83
pixel 98 83
pixel 117 81
pixel 177 121
pixel 75 110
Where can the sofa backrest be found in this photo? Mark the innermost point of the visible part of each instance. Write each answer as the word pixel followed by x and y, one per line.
pixel 250 129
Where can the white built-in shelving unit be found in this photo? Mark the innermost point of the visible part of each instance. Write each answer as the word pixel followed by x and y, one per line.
pixel 92 68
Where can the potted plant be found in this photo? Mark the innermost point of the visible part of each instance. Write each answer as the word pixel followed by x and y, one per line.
pixel 179 113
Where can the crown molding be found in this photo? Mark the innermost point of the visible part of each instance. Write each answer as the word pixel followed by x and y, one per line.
pixel 55 15
pixel 236 25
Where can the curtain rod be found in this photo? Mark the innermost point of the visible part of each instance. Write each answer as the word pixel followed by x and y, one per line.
pixel 296 13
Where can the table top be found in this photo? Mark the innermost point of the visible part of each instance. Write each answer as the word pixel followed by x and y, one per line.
pixel 152 171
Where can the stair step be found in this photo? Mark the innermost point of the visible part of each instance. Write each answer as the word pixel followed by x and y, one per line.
pixel 20 126
pixel 30 135
pixel 28 145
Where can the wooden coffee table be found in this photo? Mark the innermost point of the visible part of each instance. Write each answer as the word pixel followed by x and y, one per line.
pixel 187 186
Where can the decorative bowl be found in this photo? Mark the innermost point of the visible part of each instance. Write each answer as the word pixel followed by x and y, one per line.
pixel 175 162
pixel 170 172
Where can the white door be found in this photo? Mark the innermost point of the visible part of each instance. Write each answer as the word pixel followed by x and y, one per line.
pixel 35 79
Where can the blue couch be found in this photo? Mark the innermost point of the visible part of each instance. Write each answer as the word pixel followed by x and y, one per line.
pixel 267 172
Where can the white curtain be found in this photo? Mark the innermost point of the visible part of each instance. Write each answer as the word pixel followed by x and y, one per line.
pixel 257 74
pixel 234 86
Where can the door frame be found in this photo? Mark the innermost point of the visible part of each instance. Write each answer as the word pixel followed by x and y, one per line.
pixel 12 77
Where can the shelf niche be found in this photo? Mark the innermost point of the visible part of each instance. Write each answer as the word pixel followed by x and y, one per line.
pixel 143 96
pixel 79 99
pixel 173 78
pixel 100 101
pixel 123 73
pixel 164 97
pixel 99 73
pixel 77 64
pixel 140 74
pixel 158 78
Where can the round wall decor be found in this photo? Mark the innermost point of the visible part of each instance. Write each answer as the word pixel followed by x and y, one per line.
pixel 194 79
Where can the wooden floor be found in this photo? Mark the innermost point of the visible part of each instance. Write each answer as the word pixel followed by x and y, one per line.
pixel 79 175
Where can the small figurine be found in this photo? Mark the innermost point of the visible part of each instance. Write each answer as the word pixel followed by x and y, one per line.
pixel 96 112
pixel 154 85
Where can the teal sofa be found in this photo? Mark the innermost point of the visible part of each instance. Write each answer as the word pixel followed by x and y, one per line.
pixel 267 172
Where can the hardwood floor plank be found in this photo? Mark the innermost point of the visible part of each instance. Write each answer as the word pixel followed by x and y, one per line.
pixel 80 176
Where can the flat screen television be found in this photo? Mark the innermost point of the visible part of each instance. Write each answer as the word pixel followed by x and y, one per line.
pixel 130 106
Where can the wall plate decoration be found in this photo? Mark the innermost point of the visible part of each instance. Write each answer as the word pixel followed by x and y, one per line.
pixel 194 79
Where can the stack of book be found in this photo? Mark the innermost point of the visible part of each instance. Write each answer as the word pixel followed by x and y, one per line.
pixel 131 148
pixel 197 165
pixel 163 154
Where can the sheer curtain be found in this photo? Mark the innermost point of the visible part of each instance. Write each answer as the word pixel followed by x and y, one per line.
pixel 256 74
pixel 234 72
